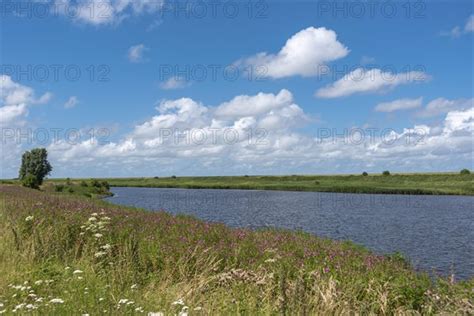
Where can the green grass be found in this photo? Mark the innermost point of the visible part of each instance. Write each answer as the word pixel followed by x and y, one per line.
pixel 441 183
pixel 65 254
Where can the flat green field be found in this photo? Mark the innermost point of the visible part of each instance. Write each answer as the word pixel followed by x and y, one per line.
pixel 441 183
pixel 419 183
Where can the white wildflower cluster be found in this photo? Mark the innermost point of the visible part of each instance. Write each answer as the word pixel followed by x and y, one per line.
pixel 125 303
pixel 178 302
pixel 181 307
pixel 96 226
pixel 100 254
pixel 26 297
pixel 77 273
pixel 24 306
pixel 57 301
pixel 106 247
pixel 29 218
pixel 184 309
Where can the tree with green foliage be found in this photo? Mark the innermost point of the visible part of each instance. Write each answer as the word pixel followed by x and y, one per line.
pixel 365 174
pixel 465 171
pixel 34 167
pixel 386 173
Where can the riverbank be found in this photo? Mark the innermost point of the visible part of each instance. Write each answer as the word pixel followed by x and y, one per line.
pixel 438 184
pixel 67 254
pixel 91 188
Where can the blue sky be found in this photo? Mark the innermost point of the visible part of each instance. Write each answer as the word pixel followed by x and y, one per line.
pixel 323 67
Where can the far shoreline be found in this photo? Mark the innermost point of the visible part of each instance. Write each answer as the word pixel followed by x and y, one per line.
pixel 399 183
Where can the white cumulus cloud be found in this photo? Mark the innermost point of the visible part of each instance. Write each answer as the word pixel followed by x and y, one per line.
pixel 15 99
pixel 369 81
pixel 244 105
pixel 304 54
pixel 460 120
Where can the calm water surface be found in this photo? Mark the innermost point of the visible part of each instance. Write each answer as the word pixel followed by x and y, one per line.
pixel 435 232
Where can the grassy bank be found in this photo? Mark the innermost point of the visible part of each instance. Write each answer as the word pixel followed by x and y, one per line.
pixel 446 183
pixel 70 255
pixel 91 188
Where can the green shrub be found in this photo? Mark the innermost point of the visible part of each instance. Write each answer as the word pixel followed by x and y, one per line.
pixel 365 174
pixel 59 188
pixel 386 173
pixel 173 177
pixel 465 171
pixel 84 183
pixel 70 190
pixel 105 184
pixel 96 183
pixel 30 181
pixel 68 181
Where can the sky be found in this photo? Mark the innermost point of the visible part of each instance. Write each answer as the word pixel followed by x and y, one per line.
pixel 117 88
